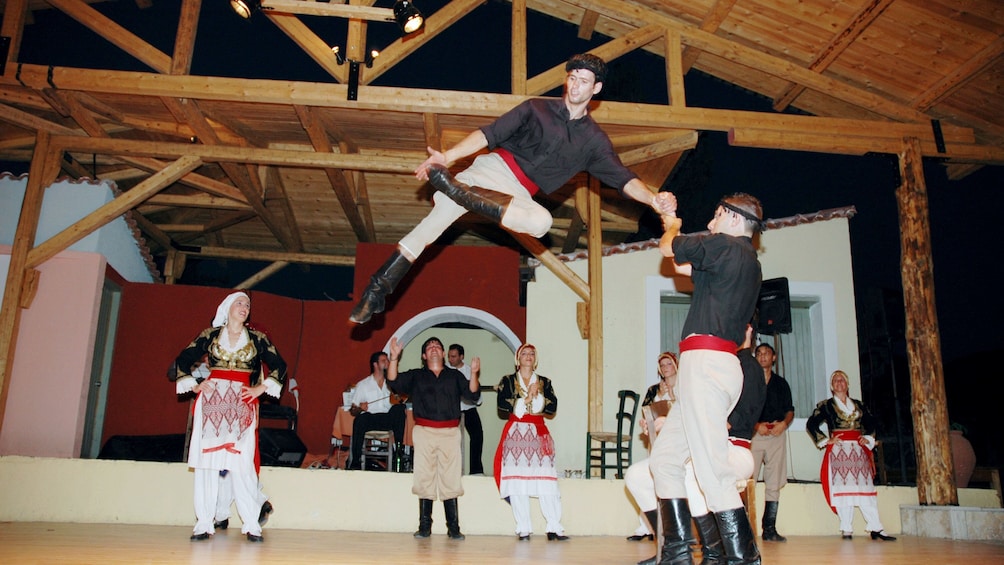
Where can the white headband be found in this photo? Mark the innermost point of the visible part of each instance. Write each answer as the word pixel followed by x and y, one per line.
pixel 223 310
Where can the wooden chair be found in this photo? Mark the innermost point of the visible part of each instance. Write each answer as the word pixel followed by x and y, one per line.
pixel 616 444
pixel 378 444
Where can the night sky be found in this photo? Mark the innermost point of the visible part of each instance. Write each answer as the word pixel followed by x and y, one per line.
pixel 964 215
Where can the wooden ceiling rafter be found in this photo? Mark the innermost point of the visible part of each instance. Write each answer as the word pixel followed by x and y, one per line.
pixel 858 23
pixel 710 23
pixel 359 217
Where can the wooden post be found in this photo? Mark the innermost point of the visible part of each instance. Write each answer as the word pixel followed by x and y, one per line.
pixel 44 166
pixel 935 474
pixel 595 246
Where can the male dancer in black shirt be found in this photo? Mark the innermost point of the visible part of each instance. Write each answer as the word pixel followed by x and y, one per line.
pixel 435 391
pixel 726 274
pixel 535 147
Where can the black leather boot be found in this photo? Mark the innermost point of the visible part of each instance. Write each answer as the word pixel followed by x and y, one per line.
pixel 452 519
pixel 674 513
pixel 488 203
pixel 738 542
pixel 652 517
pixel 711 540
pixel 382 283
pixel 769 521
pixel 424 518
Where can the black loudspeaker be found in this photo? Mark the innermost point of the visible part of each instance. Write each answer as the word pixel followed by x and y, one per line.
pixel 773 308
pixel 280 448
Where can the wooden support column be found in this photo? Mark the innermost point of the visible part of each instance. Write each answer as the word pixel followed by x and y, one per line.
pixel 20 278
pixel 595 333
pixel 935 474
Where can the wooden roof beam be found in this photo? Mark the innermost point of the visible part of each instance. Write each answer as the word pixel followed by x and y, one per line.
pixel 111 210
pixel 219 224
pixel 858 23
pixel 518 48
pixel 114 33
pixel 711 22
pixel 245 180
pixel 609 51
pixel 260 255
pixel 360 217
pixel 311 44
pixel 406 45
pixel 184 39
pixel 954 80
pixel 822 143
pixel 693 36
pixel 452 102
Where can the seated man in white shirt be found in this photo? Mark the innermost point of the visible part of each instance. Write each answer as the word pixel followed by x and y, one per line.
pixel 372 406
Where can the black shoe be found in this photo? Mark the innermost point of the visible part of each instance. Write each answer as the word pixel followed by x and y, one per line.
pixel 636 537
pixel 552 536
pixel 881 535
pixel 846 536
pixel 200 537
pixel 222 524
pixel 255 539
pixel 266 509
pixel 524 537
pixel 650 561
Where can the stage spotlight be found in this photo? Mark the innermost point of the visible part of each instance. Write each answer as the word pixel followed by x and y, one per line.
pixel 373 54
pixel 339 58
pixel 245 8
pixel 408 17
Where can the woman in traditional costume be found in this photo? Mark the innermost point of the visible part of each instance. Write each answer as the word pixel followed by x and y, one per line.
pixel 225 422
pixel 524 461
pixel 848 467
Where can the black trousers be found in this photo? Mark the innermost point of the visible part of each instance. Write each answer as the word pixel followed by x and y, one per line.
pixel 367 422
pixel 472 423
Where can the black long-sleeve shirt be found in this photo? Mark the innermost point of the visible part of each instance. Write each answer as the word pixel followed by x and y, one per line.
pixel 435 398
pixel 726 275
pixel 551 147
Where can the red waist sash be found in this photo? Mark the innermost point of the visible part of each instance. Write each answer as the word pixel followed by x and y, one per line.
pixel 524 180
pixel 437 423
pixel 707 342
pixel 741 442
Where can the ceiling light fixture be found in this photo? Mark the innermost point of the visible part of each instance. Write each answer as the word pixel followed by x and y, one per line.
pixel 245 8
pixel 407 16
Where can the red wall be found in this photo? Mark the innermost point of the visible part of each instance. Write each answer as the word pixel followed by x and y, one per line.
pixel 325 352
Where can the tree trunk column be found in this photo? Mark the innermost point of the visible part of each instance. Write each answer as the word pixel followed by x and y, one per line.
pixel 935 475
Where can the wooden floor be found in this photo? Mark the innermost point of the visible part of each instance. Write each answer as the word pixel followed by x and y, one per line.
pixel 51 543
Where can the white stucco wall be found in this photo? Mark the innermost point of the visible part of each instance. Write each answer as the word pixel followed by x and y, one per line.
pixel 65 203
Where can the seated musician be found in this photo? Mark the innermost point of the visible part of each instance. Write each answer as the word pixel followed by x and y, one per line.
pixel 375 408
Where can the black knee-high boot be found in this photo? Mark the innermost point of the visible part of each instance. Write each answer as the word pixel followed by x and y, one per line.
pixel 738 542
pixel 769 522
pixel 424 518
pixel 674 513
pixel 711 540
pixel 452 519
pixel 488 203
pixel 382 283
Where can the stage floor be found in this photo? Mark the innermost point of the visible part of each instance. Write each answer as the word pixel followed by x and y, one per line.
pixel 109 544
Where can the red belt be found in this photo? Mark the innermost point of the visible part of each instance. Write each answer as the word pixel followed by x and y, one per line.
pixel 708 342
pixel 437 423
pixel 741 442
pixel 524 180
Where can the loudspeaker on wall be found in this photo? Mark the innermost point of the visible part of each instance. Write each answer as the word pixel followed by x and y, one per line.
pixel 773 308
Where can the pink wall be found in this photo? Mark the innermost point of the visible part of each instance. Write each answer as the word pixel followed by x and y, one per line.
pixel 49 381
